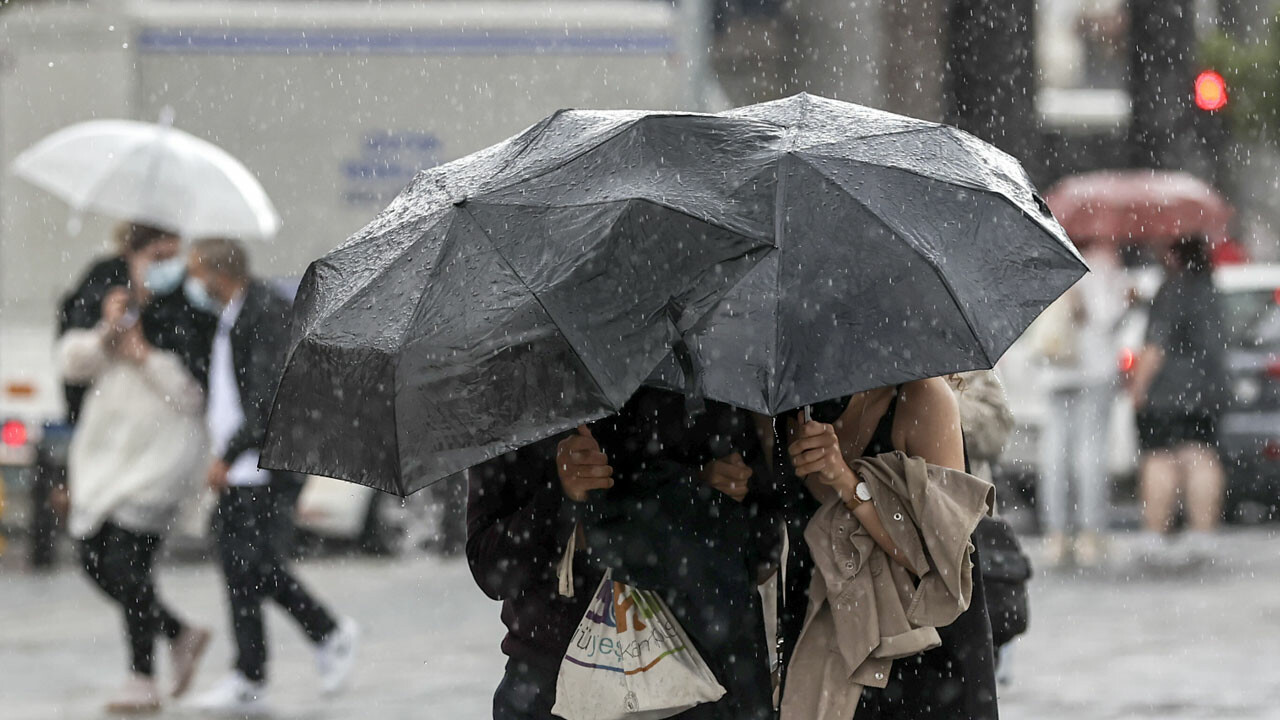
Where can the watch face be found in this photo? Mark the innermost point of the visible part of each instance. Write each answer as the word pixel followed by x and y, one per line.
pixel 863 492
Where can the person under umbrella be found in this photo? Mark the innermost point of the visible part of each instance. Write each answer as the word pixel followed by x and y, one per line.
pixel 81 308
pixel 254 515
pixel 672 507
pixel 919 419
pixel 138 444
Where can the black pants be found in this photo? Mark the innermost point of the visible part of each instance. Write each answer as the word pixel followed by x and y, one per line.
pixel 254 526
pixel 956 681
pixel 119 561
pixel 527 692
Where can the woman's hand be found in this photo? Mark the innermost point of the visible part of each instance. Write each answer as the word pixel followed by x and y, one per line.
pixel 816 451
pixel 729 475
pixel 582 466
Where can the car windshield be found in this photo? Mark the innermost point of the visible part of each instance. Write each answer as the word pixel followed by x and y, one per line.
pixel 1252 319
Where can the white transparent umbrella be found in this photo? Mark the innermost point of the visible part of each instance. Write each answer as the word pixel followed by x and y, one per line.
pixel 151 173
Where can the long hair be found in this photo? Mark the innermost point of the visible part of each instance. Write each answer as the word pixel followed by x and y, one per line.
pixel 1191 255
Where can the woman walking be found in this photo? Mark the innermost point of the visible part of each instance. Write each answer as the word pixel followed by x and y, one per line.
pixel 1179 387
pixel 139 443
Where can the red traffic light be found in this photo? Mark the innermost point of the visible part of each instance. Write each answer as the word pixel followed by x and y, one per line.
pixel 13 433
pixel 1211 91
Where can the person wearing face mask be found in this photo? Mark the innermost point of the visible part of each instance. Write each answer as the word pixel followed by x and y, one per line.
pixel 139 441
pixel 253 522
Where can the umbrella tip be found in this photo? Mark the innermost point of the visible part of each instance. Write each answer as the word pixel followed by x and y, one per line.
pixel 166 116
pixel 459 201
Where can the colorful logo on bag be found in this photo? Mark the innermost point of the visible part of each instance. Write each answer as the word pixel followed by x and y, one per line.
pixel 626 632
pixel 618 601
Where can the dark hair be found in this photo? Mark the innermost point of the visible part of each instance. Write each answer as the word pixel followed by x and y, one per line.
pixel 1191 252
pixel 224 256
pixel 134 237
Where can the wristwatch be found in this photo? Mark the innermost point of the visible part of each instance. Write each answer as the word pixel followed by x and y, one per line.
pixel 861 494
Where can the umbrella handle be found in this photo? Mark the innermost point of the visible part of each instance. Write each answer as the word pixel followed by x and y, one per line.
pixel 808 413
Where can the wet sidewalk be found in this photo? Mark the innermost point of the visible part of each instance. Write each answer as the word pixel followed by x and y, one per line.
pixel 1105 644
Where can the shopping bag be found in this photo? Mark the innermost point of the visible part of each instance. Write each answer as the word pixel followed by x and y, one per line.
pixel 630 660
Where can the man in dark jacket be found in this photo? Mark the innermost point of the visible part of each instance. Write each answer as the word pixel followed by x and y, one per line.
pixel 254 517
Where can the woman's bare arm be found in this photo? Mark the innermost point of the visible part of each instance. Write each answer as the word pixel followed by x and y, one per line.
pixel 929 423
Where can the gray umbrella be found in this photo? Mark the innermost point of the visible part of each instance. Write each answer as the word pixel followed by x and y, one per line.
pixel 904 250
pixel 801 249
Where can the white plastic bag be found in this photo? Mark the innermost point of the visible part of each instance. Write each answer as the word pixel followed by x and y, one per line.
pixel 630 660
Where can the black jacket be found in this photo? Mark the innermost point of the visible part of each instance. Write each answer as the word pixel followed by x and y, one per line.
pixel 259 344
pixel 658 528
pixel 169 322
pixel 81 309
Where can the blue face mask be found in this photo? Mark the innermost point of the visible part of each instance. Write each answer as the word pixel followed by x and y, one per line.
pixel 199 297
pixel 164 276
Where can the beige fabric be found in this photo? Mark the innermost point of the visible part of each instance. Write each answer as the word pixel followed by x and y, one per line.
pixel 140 446
pixel 866 610
pixel 985 418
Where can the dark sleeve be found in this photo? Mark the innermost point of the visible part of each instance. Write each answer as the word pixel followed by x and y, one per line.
pixel 1163 317
pixel 266 338
pixel 82 307
pixel 172 323
pixel 517 521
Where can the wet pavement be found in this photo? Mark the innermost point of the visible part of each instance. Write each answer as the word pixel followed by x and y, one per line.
pixel 1200 643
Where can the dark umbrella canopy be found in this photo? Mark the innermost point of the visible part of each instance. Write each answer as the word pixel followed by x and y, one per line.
pixel 904 250
pixel 804 249
pixel 517 292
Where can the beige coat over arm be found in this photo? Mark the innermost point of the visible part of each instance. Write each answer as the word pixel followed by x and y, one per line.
pixel 866 610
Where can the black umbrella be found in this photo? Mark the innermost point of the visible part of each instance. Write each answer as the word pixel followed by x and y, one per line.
pixel 905 250
pixel 516 292
pixel 535 285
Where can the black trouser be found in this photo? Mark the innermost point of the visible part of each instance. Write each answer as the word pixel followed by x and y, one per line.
pixel 119 561
pixel 254 526
pixel 527 692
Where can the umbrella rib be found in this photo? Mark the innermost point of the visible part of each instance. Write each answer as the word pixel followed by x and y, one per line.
pixel 923 256
pixel 651 201
pixel 966 185
pixel 917 173
pixel 493 246
pixel 612 136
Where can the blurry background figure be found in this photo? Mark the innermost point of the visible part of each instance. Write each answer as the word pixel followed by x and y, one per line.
pixel 253 522
pixel 1180 389
pixel 1080 345
pixel 81 308
pixel 986 421
pixel 138 445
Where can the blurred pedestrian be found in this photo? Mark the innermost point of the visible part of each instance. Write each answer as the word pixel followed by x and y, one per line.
pixel 1180 387
pixel 985 419
pixel 81 308
pixel 253 521
pixel 138 445
pixel 1082 378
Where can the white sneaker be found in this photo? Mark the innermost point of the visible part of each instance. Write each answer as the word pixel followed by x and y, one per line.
pixel 335 656
pixel 235 696
pixel 138 696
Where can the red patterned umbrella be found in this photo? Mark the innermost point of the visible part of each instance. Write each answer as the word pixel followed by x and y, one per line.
pixel 1139 205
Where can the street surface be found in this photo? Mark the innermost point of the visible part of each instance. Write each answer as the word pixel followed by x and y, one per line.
pixel 1111 644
